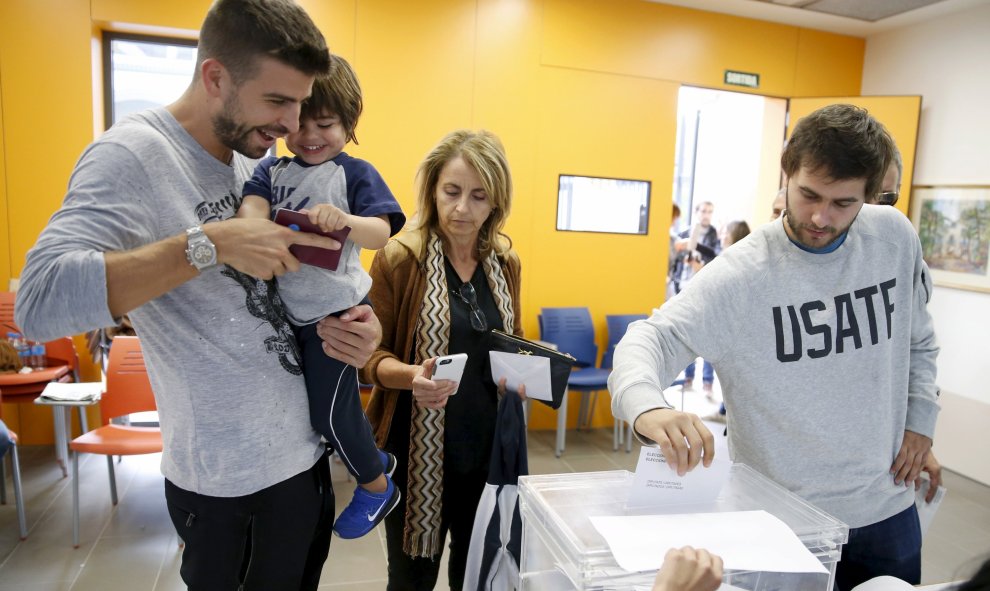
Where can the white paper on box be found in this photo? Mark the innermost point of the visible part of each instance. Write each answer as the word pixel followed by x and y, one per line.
pixel 745 540
pixel 656 484
pixel 531 370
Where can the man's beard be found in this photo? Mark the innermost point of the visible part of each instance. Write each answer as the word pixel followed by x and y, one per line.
pixel 237 136
pixel 796 229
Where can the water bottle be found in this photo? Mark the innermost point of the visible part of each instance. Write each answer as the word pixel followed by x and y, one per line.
pixel 38 357
pixel 23 351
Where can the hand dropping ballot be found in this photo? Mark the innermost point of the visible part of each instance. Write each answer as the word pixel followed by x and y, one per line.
pixel 657 484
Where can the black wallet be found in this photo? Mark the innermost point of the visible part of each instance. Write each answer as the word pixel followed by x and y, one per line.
pixel 560 363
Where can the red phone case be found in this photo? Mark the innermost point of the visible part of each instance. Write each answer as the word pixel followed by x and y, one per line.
pixel 312 255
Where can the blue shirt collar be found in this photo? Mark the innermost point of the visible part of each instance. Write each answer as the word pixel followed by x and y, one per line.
pixel 825 249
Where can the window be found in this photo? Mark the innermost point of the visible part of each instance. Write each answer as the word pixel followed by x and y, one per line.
pixel 142 72
pixel 594 204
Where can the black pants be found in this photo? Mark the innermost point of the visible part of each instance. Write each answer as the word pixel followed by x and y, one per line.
pixel 335 407
pixel 461 494
pixel 276 538
pixel 890 547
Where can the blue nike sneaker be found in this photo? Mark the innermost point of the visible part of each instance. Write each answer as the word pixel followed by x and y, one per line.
pixel 365 511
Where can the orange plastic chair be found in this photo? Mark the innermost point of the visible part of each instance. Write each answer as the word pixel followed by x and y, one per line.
pixel 128 391
pixel 7 311
pixel 15 471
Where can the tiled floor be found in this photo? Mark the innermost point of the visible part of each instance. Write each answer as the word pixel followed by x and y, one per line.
pixel 134 548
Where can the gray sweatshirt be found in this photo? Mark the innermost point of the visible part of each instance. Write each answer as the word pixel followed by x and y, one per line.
pixel 824 359
pixel 220 354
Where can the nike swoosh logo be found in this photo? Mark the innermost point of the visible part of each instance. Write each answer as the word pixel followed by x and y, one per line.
pixel 372 516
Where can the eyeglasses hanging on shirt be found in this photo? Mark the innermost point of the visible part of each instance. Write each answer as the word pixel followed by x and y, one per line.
pixel 467 295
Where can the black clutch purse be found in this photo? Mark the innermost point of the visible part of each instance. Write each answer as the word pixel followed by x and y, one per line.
pixel 560 363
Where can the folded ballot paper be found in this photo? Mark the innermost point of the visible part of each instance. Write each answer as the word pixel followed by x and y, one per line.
pixel 531 370
pixel 72 392
pixel 926 511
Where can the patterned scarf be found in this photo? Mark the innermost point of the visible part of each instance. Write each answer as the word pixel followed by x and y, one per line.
pixel 425 488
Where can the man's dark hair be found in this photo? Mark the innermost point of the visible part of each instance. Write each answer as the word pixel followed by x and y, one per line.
pixel 237 32
pixel 337 93
pixel 843 142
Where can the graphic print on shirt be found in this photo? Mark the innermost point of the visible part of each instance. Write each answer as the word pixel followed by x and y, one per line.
pixel 848 329
pixel 262 301
pixel 281 193
pixel 261 297
pixel 280 198
pixel 219 210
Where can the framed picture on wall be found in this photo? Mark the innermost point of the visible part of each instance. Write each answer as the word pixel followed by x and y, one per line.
pixel 597 204
pixel 954 225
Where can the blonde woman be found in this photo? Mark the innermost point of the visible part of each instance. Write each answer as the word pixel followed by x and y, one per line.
pixel 440 288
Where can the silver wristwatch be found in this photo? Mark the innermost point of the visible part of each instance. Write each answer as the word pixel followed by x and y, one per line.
pixel 200 251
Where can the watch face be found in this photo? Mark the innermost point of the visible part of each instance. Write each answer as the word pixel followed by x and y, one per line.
pixel 203 255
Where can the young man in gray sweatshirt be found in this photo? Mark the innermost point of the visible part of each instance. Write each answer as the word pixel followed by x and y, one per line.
pixel 147 229
pixel 819 326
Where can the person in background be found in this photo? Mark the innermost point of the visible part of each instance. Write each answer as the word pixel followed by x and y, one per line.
pixel 777 207
pixel 335 191
pixel 689 569
pixel 147 229
pixel 699 245
pixel 440 288
pixel 672 253
pixel 890 188
pixel 732 233
pixel 831 302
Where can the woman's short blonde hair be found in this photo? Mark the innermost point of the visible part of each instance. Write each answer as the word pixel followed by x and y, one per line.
pixel 483 151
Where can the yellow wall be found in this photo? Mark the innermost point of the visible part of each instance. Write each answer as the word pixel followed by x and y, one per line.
pixel 5 261
pixel 571 86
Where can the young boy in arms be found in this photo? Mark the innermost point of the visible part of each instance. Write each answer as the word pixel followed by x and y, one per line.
pixel 334 190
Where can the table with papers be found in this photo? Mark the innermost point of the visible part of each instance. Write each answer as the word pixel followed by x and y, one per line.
pixel 62 397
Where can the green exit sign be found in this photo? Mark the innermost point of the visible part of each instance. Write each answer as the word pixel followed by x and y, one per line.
pixel 746 79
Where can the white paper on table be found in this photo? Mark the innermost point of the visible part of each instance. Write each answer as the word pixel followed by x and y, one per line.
pixel 72 391
pixel 532 370
pixel 926 511
pixel 656 484
pixel 745 540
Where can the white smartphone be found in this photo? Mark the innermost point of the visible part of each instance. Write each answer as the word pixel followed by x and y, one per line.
pixel 450 367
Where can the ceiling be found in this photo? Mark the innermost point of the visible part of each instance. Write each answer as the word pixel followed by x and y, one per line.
pixel 859 18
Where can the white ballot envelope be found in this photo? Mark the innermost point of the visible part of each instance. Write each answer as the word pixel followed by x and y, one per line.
pixel 532 370
pixel 656 484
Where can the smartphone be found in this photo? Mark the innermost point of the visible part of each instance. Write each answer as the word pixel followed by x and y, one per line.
pixel 311 255
pixel 450 367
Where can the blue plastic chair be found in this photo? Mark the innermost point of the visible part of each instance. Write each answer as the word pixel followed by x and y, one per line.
pixel 617 325
pixel 571 330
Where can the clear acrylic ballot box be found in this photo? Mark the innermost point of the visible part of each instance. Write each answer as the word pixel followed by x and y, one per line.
pixel 562 550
